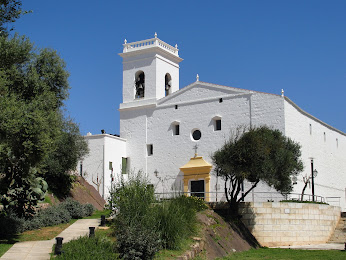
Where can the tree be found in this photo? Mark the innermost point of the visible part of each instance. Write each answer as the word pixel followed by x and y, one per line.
pixel 10 11
pixel 260 154
pixel 33 130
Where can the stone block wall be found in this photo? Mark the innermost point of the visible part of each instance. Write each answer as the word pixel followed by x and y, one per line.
pixel 284 224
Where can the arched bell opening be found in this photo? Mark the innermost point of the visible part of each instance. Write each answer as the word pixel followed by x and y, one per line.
pixel 139 84
pixel 168 84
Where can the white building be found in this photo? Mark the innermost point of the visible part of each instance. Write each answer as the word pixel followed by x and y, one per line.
pixel 160 126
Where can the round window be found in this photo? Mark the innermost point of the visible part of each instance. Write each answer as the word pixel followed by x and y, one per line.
pixel 196 135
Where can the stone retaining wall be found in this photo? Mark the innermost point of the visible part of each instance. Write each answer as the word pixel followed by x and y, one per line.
pixel 284 224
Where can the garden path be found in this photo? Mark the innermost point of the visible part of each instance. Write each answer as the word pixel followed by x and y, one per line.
pixel 40 250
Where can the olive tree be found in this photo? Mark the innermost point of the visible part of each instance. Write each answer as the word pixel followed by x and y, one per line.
pixel 259 154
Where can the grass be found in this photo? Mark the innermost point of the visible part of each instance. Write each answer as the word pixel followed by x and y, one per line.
pixel 287 254
pixel 4 248
pixel 166 254
pixel 45 233
pixel 101 247
pixel 97 214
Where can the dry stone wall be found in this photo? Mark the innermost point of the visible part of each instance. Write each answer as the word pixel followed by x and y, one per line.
pixel 284 224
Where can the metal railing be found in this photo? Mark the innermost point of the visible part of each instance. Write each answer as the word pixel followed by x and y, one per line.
pixel 251 197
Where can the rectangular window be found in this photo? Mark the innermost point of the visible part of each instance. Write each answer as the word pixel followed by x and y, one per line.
pixel 81 168
pixel 176 129
pixel 124 165
pixel 150 149
pixel 218 125
pixel 110 165
pixel 310 129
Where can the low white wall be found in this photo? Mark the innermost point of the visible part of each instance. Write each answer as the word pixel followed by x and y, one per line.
pixel 284 224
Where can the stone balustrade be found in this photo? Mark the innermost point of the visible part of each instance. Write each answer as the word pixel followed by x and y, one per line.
pixel 133 46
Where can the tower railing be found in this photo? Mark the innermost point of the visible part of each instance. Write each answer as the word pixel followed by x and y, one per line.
pixel 133 46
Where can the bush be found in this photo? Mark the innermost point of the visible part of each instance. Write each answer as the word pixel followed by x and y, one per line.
pixel 142 227
pixel 134 225
pixel 88 209
pixel 10 224
pixel 137 242
pixel 84 248
pixel 75 208
pixel 176 221
pixel 197 203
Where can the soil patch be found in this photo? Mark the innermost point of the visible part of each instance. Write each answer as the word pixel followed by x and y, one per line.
pixel 221 238
pixel 83 192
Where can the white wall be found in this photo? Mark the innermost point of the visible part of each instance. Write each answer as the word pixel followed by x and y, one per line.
pixel 103 148
pixel 328 154
pixel 197 107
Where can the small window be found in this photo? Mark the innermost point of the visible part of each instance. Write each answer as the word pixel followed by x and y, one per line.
pixel 150 149
pixel 110 166
pixel 218 125
pixel 81 168
pixel 176 130
pixel 310 129
pixel 196 135
pixel 324 136
pixel 337 143
pixel 220 100
pixel 124 165
pixel 176 106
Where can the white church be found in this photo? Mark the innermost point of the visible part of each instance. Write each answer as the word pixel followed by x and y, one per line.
pixel 170 133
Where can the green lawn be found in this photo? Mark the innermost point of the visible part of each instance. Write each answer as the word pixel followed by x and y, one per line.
pixel 44 233
pixel 287 254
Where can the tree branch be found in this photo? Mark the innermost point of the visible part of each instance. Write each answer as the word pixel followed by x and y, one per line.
pixel 246 193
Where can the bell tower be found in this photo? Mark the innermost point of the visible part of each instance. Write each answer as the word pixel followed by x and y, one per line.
pixel 150 72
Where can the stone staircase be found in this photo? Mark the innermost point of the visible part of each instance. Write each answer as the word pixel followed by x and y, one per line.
pixel 339 235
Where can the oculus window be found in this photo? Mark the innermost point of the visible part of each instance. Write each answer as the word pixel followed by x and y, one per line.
pixel 196 134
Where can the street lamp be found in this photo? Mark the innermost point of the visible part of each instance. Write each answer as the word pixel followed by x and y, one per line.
pixel 313 175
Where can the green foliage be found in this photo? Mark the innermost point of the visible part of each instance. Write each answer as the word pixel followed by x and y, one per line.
pixel 71 146
pixel 143 226
pixel 198 204
pixel 134 225
pixel 84 248
pixel 10 11
pixel 35 138
pixel 176 221
pixel 11 224
pixel 76 209
pixel 260 154
pixel 285 254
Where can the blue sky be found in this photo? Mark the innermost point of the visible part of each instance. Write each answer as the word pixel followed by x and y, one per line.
pixel 298 46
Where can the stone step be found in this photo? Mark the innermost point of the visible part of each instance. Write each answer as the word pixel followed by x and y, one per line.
pixel 339 235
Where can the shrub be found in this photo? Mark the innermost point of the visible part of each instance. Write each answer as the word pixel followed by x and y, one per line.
pixel 134 225
pixel 10 224
pixel 88 209
pixel 197 203
pixel 75 208
pixel 137 242
pixel 176 221
pixel 84 248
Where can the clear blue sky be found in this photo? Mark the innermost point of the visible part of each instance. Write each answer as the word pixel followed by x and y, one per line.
pixel 298 46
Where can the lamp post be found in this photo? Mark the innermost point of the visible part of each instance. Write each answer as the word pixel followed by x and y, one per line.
pixel 313 175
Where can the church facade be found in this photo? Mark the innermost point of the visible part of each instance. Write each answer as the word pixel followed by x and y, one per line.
pixel 170 133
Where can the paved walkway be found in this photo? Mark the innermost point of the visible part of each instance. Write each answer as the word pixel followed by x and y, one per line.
pixel 317 247
pixel 40 250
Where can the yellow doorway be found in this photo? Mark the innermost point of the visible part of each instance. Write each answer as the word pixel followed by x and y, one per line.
pixel 197 169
